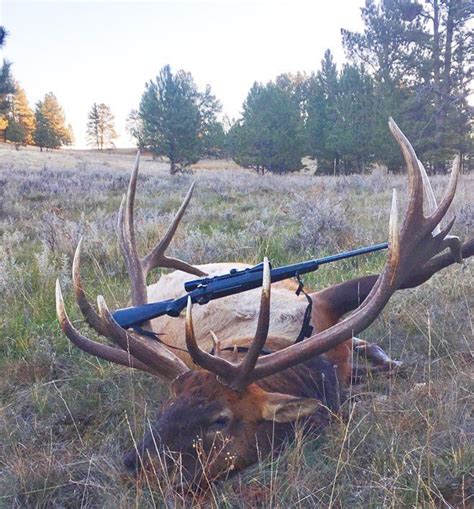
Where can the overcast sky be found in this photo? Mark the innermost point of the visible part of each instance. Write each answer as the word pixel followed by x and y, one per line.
pixel 105 51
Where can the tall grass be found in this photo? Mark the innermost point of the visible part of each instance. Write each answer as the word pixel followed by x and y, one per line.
pixel 66 418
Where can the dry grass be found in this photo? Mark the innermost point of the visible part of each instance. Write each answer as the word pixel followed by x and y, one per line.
pixel 66 418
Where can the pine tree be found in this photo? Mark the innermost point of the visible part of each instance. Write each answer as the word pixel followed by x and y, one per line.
pixel 175 118
pixel 171 119
pixel 321 115
pixel 6 88
pixel 213 140
pixel 93 122
pixel 418 55
pixel 211 131
pixel 134 127
pixel 43 135
pixel 270 134
pixel 353 124
pixel 15 133
pixel 389 45
pixel 100 126
pixel 51 131
pixel 451 39
pixel 22 116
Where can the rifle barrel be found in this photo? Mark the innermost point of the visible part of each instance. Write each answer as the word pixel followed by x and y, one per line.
pixel 354 252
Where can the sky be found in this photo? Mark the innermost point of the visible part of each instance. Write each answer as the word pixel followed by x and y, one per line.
pixel 106 51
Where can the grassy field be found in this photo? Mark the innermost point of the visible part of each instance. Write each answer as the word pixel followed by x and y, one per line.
pixel 66 418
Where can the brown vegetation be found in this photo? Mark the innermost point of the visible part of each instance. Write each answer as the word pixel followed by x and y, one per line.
pixel 401 442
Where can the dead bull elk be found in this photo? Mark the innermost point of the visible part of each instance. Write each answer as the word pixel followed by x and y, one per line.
pixel 239 403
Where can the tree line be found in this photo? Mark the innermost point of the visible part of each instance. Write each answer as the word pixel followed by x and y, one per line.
pixel 412 61
pixel 46 126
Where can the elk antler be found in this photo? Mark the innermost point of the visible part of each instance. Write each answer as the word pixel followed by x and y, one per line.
pixel 411 246
pixel 236 375
pixel 139 268
pixel 134 350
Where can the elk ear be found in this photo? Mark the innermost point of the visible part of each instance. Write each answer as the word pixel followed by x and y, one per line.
pixel 284 408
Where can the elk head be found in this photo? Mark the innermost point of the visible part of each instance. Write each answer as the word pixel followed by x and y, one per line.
pixel 223 416
pixel 221 425
pixel 207 430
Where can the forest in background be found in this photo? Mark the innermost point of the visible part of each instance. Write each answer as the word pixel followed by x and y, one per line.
pixel 413 61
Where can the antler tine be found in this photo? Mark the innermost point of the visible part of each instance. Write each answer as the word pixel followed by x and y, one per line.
pixel 437 214
pixel 164 363
pixel 415 180
pixel 429 194
pixel 100 350
pixel 91 317
pixel 394 234
pixel 250 360
pixel 216 344
pixel 128 241
pixel 130 203
pixel 138 268
pixel 453 243
pixel 448 197
pixel 157 258
pixel 215 364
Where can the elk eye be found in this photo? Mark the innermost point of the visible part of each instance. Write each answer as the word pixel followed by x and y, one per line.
pixel 220 422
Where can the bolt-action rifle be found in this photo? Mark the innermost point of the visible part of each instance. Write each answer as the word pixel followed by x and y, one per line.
pixel 206 289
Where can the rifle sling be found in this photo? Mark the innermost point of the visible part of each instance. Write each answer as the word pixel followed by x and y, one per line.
pixel 156 337
pixel 306 328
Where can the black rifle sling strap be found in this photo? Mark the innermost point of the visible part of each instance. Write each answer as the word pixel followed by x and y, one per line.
pixel 156 337
pixel 306 327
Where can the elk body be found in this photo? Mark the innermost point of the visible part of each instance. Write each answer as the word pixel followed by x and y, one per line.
pixel 233 319
pixel 238 381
